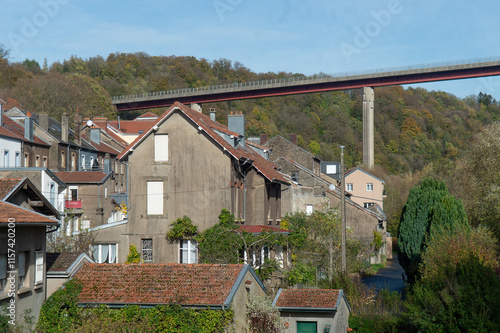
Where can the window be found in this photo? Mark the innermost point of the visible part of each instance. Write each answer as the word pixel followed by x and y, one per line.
pixel 63 159
pixel 309 210
pixel 3 272
pixel 5 158
pixel 369 186
pixel 348 187
pixel 295 176
pixel 189 252
pixel 147 250
pixel 22 269
pixel 26 159
pixel 368 204
pixel 39 267
pixel 18 159
pixel 161 147
pixel 104 253
pixel 74 194
pixel 154 198
pixel 331 169
pixel 52 198
pixel 45 161
pixel 83 162
pixel 37 160
pixel 73 161
pixel 105 192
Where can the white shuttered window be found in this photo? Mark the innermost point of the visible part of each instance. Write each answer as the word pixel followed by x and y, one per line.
pixel 39 267
pixel 155 198
pixel 161 147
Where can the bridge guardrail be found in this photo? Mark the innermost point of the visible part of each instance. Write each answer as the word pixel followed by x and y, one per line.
pixel 302 78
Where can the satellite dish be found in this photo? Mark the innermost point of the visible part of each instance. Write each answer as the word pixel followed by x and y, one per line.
pixel 331 187
pixel 89 123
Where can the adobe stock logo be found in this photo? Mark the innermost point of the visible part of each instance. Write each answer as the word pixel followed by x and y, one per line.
pixel 372 29
pixel 224 6
pixel 31 27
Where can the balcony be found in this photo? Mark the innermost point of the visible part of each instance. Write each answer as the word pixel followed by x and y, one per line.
pixel 73 206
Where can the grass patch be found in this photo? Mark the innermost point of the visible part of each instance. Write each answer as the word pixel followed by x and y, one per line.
pixel 373 269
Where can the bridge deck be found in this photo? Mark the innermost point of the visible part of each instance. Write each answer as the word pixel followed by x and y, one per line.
pixel 316 83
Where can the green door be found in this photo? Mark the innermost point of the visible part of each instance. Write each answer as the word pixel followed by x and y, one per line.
pixel 307 327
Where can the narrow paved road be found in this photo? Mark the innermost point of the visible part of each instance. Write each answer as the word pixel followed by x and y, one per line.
pixel 389 277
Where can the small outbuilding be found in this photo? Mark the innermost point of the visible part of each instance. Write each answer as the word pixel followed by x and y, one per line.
pixel 313 310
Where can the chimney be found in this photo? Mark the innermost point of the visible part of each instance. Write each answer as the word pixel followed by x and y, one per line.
pixel 118 122
pixel 1 114
pixel 293 138
pixel 95 135
pixel 43 121
pixel 78 128
pixel 263 138
pixel 236 123
pixel 64 127
pixel 212 114
pixel 106 164
pixel 28 127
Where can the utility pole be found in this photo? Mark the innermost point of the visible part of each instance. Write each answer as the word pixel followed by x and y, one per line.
pixel 342 210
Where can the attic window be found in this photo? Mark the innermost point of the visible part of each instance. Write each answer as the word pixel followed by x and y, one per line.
pixel 140 132
pixel 161 148
pixel 295 176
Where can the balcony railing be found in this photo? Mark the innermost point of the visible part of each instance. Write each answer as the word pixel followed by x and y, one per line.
pixel 73 204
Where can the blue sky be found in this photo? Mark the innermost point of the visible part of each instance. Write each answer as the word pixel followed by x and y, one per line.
pixel 307 36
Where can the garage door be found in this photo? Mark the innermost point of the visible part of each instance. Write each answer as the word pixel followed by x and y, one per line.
pixel 307 327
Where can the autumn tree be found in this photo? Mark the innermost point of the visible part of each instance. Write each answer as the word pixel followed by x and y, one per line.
pixel 479 178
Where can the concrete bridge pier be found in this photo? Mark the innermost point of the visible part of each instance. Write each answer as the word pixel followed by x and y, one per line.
pixel 368 128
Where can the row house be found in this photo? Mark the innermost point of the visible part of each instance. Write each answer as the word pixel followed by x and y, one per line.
pixel 188 164
pixel 87 157
pixel 26 216
pixel 18 144
pixel 311 190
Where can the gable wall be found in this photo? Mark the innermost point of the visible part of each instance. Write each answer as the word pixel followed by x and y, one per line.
pixel 196 183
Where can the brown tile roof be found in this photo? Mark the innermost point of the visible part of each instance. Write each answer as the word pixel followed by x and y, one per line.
pixel 79 177
pixel 7 185
pixel 308 298
pixel 266 168
pixel 185 284
pixel 257 229
pixel 12 213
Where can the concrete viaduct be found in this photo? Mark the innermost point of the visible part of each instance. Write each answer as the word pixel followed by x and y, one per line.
pixel 318 83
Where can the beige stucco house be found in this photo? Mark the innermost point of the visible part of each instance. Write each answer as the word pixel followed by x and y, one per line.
pixel 365 188
pixel 189 164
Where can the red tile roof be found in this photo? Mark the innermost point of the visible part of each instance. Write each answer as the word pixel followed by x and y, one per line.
pixel 148 114
pixel 308 298
pixel 78 177
pixel 12 213
pixel 266 168
pixel 7 185
pixel 12 129
pixel 257 229
pixel 185 284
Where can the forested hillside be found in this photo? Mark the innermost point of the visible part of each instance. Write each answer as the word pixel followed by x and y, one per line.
pixel 412 127
pixel 417 132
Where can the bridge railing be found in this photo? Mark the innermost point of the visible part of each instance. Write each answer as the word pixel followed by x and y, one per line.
pixel 302 79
